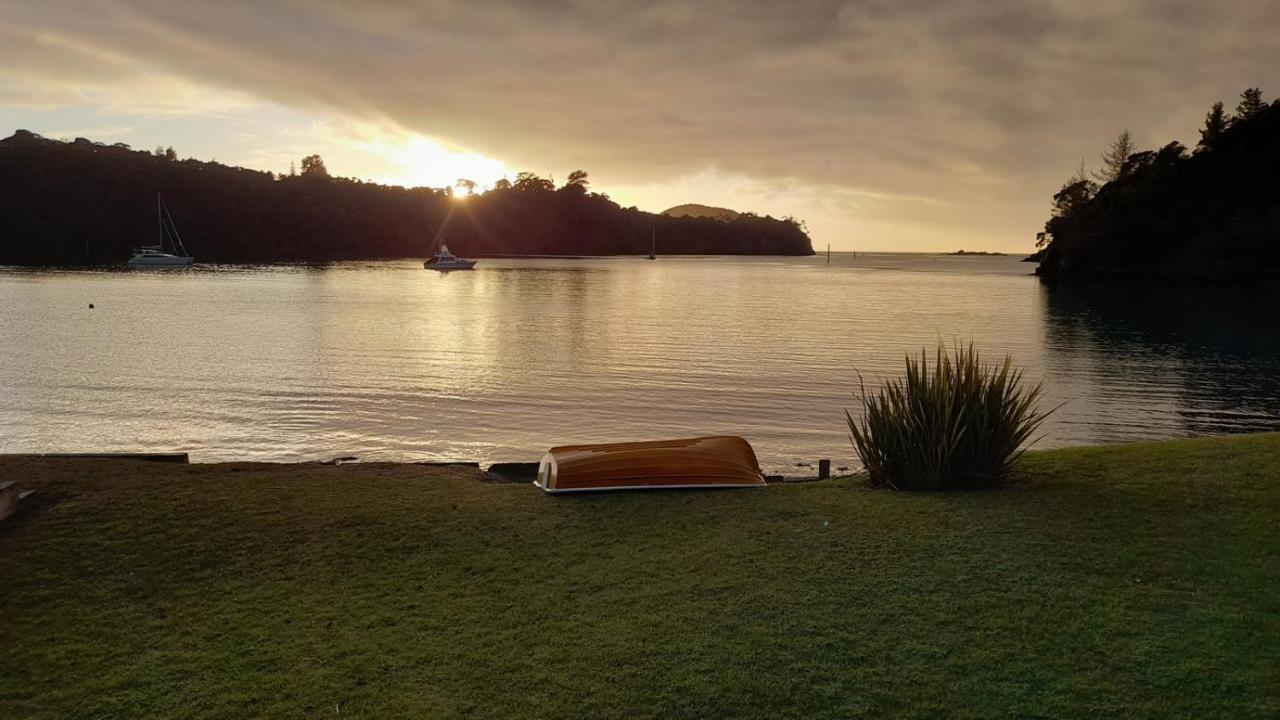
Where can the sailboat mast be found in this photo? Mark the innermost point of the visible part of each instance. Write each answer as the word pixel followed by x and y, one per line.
pixel 160 221
pixel 178 247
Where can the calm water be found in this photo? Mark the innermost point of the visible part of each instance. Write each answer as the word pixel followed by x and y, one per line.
pixel 389 361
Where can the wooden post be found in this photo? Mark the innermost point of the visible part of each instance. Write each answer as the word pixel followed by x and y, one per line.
pixel 824 469
pixel 8 498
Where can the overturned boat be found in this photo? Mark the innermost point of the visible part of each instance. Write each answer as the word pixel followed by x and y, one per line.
pixel 707 462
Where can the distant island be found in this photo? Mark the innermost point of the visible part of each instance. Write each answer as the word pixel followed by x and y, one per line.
pixel 86 203
pixel 1172 214
pixel 976 252
pixel 707 211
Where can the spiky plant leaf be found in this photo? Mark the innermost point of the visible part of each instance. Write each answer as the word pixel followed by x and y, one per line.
pixel 955 424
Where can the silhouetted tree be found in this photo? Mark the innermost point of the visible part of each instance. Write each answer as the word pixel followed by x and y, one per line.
pixel 170 153
pixel 1215 217
pixel 1215 123
pixel 578 181
pixel 1137 162
pixel 502 184
pixel 1251 103
pixel 1074 194
pixel 1170 154
pixel 1114 158
pixel 313 166
pixel 468 185
pixel 531 182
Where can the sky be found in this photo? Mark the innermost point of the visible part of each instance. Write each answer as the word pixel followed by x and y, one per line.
pixel 909 125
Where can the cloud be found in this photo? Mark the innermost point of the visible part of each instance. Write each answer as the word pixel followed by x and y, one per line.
pixel 97 132
pixel 980 109
pixel 44 69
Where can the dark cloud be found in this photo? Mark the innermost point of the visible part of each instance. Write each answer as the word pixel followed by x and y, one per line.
pixel 981 108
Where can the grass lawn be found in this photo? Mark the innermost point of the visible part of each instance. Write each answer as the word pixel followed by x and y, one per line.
pixel 1137 581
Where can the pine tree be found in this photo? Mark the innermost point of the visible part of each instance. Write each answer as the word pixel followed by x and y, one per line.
pixel 1214 124
pixel 1113 159
pixel 1251 104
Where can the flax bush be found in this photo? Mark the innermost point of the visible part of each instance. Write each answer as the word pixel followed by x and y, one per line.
pixel 958 424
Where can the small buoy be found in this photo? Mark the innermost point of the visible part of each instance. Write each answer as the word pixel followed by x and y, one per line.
pixel 90 306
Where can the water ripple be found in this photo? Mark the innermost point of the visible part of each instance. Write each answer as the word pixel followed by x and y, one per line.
pixel 386 361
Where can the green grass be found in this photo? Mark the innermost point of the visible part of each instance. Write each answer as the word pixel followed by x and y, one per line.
pixel 1139 581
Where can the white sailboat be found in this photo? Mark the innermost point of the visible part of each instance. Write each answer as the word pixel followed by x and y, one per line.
pixel 155 256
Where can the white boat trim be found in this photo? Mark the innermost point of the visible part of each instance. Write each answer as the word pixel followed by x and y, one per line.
pixel 703 486
pixel 159 260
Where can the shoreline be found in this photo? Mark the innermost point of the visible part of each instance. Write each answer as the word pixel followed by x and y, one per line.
pixel 503 471
pixel 419 258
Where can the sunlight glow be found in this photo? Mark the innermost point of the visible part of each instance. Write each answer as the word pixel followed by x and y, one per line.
pixel 420 161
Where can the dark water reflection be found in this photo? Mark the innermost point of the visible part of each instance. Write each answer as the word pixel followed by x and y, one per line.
pixel 1164 362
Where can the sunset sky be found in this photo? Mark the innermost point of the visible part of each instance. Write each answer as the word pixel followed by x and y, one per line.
pixel 895 125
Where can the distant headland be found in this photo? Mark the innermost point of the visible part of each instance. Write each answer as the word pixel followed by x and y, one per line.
pixel 87 203
pixel 1208 214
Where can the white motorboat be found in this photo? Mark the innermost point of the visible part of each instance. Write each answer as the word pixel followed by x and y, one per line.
pixel 445 260
pixel 157 256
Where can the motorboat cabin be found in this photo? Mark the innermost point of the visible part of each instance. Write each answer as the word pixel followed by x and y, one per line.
pixel 445 260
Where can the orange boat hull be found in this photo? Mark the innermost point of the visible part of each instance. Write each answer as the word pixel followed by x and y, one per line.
pixel 708 462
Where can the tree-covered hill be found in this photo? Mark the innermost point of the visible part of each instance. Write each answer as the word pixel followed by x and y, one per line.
pixel 1170 214
pixel 696 210
pixel 68 203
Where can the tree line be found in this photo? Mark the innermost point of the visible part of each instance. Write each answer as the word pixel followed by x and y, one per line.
pixel 81 202
pixel 1212 212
